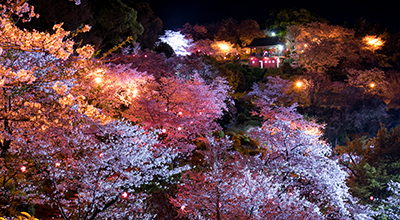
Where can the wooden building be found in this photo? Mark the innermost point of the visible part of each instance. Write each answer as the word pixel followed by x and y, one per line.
pixel 266 52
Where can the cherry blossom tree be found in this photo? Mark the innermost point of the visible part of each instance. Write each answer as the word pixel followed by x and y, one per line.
pixel 180 98
pixel 319 46
pixel 177 41
pixel 299 160
pixel 228 186
pixel 373 81
pixel 390 206
pixel 57 147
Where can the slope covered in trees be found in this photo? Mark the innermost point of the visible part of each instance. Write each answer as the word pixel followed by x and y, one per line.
pixel 138 135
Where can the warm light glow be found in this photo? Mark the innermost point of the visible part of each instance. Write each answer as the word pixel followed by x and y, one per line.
pixel 23 169
pixel 224 46
pixel 124 195
pixel 314 131
pixel 183 208
pixel 299 84
pixel 98 80
pixel 179 128
pixel 371 198
pixel 372 85
pixel 164 130
pixel 373 42
pixel 57 164
pixel 134 92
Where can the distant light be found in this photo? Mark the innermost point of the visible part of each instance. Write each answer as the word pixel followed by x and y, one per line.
pixel 164 130
pixel 183 208
pixel 57 164
pixel 371 198
pixel 124 195
pixel 373 42
pixel 273 34
pixel 299 84
pixel 372 85
pixel 224 46
pixel 23 169
pixel 98 80
pixel 280 47
pixel 179 128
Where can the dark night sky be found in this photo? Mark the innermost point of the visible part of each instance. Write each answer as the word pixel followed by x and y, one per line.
pixel 175 13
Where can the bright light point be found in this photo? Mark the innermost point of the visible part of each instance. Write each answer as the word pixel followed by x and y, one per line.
pixel 23 169
pixel 166 109
pixel 280 47
pixel 372 85
pixel 134 92
pixel 273 34
pixel 145 56
pixel 313 192
pixel 183 208
pixel 98 80
pixel 164 130
pixel 373 42
pixel 179 113
pixel 57 164
pixel 101 155
pixel 179 128
pixel 224 46
pixel 124 195
pixel 371 198
pixel 305 45
pixel 299 84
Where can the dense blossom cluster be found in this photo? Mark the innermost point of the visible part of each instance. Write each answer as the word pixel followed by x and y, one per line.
pixel 91 138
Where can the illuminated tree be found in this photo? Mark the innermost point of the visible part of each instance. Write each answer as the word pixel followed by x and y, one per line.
pixel 319 46
pixel 373 81
pixel 299 160
pixel 390 206
pixel 229 185
pixel 57 147
pixel 165 99
pixel 177 41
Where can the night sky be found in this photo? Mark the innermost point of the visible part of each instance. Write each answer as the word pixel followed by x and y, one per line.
pixel 175 13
